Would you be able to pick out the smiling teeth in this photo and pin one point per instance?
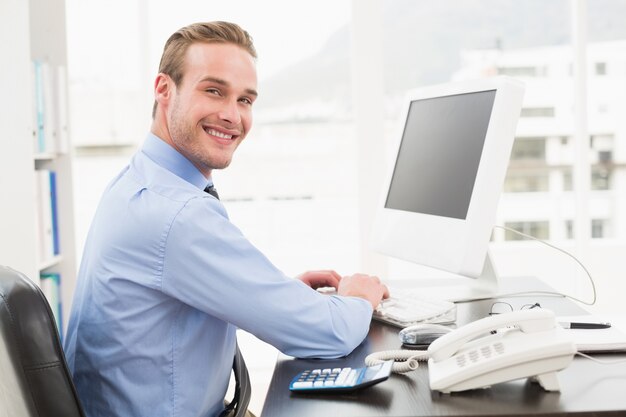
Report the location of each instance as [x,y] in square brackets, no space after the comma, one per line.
[219,134]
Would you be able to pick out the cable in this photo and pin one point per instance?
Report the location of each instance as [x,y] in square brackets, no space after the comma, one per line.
[601,361]
[408,360]
[553,293]
[404,360]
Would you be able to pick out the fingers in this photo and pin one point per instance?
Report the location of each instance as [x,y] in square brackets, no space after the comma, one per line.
[364,286]
[329,278]
[323,278]
[386,293]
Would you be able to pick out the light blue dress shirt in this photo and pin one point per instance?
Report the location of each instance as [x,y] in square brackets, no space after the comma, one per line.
[165,281]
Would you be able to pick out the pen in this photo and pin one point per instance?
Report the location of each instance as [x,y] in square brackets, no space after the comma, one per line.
[578,325]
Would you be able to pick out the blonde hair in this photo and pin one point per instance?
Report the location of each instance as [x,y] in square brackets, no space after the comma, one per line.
[173,58]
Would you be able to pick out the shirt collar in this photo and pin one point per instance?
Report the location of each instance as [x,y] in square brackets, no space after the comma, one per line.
[172,160]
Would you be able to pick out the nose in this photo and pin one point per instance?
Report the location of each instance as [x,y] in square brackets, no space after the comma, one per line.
[230,112]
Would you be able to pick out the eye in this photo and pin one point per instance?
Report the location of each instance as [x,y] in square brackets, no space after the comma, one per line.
[214,91]
[246,100]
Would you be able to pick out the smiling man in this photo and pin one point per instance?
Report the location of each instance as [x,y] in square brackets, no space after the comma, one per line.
[166,278]
[207,114]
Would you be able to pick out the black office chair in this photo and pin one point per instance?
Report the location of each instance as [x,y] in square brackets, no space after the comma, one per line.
[34,378]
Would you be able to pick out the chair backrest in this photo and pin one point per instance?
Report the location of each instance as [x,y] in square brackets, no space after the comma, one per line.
[34,378]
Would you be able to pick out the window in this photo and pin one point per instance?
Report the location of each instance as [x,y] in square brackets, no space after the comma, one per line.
[536,229]
[537,112]
[601,177]
[569,229]
[526,181]
[602,142]
[568,180]
[519,71]
[529,149]
[599,228]
[605,157]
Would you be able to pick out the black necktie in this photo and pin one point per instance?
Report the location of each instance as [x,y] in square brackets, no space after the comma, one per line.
[211,190]
[241,398]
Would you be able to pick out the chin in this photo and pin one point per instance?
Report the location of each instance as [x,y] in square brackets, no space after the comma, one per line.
[219,164]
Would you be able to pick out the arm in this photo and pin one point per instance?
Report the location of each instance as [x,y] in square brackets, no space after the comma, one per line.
[211,266]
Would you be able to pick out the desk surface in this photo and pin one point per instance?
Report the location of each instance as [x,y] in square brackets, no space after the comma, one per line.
[587,388]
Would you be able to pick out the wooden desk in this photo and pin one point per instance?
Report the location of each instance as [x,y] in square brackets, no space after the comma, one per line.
[587,388]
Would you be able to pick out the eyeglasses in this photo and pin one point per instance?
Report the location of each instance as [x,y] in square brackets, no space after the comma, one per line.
[500,307]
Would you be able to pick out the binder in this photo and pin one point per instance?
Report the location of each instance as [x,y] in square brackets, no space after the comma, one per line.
[50,283]
[45,217]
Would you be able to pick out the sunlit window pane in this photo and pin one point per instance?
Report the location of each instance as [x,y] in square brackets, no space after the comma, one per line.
[536,229]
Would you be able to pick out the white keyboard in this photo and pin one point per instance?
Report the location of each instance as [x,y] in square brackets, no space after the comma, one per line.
[408,307]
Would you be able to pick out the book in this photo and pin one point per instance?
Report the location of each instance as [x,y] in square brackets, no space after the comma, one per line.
[49,108]
[35,105]
[39,106]
[49,82]
[611,339]
[50,283]
[44,214]
[62,123]
[54,212]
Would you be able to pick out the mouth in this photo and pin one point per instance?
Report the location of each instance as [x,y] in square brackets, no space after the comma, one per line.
[220,136]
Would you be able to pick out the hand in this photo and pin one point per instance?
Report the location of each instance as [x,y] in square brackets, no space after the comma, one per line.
[319,279]
[363,286]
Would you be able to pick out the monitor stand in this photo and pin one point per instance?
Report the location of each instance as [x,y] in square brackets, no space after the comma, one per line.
[464,289]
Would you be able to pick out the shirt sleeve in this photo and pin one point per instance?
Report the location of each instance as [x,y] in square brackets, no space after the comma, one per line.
[210,265]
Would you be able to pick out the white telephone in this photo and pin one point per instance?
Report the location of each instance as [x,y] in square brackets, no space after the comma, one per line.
[527,343]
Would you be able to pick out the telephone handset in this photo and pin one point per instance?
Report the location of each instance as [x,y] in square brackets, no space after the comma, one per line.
[526,343]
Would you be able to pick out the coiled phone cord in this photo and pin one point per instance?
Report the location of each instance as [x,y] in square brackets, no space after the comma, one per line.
[404,360]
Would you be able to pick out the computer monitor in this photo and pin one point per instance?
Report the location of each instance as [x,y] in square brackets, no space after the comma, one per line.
[441,194]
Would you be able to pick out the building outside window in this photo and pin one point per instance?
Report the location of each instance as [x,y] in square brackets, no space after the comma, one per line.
[536,229]
[529,149]
[569,229]
[526,181]
[537,112]
[521,71]
[601,177]
[599,228]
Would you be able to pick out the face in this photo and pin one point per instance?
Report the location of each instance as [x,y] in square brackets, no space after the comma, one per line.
[210,112]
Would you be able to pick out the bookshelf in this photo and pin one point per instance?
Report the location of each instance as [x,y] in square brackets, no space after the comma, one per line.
[35,32]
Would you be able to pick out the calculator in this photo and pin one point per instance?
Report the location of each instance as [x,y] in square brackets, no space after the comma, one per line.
[340,379]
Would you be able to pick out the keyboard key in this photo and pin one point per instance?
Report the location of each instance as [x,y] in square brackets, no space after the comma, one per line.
[408,307]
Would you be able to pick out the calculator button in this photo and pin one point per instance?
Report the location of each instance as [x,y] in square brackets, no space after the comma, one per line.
[343,375]
[352,376]
[318,383]
[302,384]
[326,371]
[315,371]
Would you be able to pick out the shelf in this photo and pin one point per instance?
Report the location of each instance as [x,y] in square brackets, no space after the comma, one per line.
[37,28]
[50,262]
[45,156]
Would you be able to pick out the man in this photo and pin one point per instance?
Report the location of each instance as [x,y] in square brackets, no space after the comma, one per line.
[166,278]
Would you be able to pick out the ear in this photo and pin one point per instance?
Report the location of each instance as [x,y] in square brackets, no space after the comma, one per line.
[163,89]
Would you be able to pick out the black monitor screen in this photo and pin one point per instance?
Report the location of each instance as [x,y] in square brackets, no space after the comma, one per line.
[439,154]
